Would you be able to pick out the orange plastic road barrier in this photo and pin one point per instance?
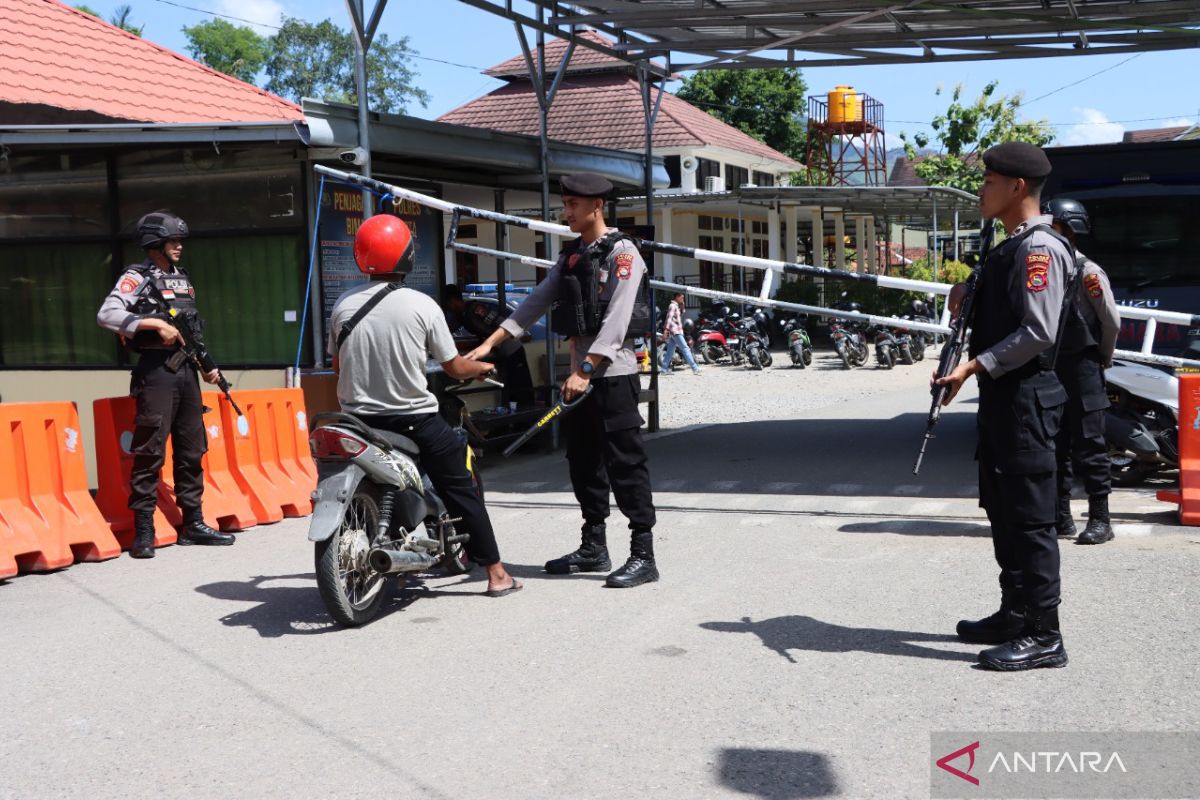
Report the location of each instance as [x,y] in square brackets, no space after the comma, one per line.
[1188,496]
[226,506]
[114,417]
[48,519]
[268,452]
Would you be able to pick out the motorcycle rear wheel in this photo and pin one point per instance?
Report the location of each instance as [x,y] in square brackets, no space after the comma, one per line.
[841,351]
[754,358]
[352,592]
[906,355]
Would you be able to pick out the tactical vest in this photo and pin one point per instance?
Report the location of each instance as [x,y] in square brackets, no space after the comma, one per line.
[580,307]
[995,315]
[159,294]
[1078,333]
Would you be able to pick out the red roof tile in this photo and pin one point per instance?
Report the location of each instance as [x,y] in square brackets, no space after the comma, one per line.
[54,55]
[1154,134]
[606,111]
[583,59]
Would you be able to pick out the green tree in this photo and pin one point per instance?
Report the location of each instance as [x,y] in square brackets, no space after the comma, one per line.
[317,60]
[767,104]
[120,18]
[235,50]
[965,131]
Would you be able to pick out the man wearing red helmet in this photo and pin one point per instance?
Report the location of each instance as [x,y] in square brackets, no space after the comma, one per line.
[598,293]
[379,357]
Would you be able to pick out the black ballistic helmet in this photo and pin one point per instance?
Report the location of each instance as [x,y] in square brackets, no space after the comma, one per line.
[155,228]
[1068,213]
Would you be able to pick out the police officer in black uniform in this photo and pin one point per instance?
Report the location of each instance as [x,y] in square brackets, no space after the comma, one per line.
[164,382]
[598,294]
[1089,338]
[1013,335]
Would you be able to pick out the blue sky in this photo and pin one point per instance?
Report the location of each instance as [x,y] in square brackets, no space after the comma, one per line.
[1151,90]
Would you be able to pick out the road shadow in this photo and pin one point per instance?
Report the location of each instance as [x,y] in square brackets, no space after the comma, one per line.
[776,774]
[919,527]
[823,457]
[281,610]
[796,632]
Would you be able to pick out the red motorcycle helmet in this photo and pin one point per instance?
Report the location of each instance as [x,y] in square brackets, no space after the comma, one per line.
[383,245]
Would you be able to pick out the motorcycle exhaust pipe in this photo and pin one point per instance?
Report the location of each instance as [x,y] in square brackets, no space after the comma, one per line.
[389,562]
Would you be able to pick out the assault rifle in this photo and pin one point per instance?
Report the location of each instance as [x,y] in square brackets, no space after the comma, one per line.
[191,331]
[956,343]
[561,407]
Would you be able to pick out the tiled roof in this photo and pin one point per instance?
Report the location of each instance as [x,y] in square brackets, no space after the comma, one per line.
[904,172]
[1154,134]
[606,111]
[583,59]
[54,55]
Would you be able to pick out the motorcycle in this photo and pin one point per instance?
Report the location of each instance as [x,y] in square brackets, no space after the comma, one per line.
[762,325]
[711,344]
[886,347]
[850,345]
[1141,425]
[799,347]
[376,515]
[755,348]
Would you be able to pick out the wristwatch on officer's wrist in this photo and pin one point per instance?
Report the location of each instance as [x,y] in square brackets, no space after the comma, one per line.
[587,368]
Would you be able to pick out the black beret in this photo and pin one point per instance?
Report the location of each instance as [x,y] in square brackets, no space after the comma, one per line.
[585,184]
[1017,160]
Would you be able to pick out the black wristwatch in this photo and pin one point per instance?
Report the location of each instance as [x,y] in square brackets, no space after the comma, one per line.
[587,368]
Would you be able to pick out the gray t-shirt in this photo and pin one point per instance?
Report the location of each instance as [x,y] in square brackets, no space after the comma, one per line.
[382,361]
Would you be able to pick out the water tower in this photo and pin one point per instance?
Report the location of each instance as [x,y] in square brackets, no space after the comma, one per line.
[845,139]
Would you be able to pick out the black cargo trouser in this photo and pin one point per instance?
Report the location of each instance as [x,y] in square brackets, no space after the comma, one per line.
[1081,442]
[605,451]
[168,403]
[444,460]
[1018,423]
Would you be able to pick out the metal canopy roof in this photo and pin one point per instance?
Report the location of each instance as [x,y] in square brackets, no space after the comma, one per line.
[733,34]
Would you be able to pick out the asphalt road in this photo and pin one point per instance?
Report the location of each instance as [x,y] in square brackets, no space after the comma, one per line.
[799,644]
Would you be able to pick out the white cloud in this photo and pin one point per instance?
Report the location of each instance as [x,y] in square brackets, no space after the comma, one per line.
[1097,128]
[1178,122]
[259,14]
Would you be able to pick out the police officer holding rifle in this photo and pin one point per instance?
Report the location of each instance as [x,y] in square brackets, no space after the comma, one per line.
[1014,332]
[599,298]
[140,309]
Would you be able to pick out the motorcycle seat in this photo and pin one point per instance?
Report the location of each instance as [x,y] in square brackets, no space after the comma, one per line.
[397,442]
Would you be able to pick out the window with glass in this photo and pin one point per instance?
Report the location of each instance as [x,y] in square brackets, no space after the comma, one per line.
[763,179]
[735,177]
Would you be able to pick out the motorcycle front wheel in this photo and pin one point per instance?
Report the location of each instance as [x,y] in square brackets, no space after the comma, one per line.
[841,351]
[754,358]
[352,591]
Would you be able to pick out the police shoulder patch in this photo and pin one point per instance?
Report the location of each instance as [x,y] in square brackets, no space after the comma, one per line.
[1037,269]
[1094,288]
[624,262]
[129,283]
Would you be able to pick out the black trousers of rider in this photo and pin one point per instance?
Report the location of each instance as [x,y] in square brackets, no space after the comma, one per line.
[1018,422]
[1081,442]
[605,452]
[444,460]
[168,403]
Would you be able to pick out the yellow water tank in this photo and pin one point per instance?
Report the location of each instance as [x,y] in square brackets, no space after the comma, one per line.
[845,105]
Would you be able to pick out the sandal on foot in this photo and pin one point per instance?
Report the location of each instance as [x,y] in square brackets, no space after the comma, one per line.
[516,587]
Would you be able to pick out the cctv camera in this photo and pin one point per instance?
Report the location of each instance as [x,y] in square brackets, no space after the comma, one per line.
[356,156]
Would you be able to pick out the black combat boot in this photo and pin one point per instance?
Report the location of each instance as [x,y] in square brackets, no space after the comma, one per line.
[1099,528]
[1039,645]
[1065,525]
[194,531]
[996,628]
[640,567]
[143,535]
[592,555]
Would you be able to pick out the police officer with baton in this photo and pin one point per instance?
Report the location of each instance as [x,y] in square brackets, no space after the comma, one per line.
[163,383]
[599,298]
[1014,334]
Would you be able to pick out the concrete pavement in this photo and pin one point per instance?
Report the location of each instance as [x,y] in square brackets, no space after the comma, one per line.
[799,645]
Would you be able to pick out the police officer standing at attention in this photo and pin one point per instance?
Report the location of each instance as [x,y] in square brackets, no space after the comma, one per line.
[1013,336]
[1089,338]
[597,290]
[163,382]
